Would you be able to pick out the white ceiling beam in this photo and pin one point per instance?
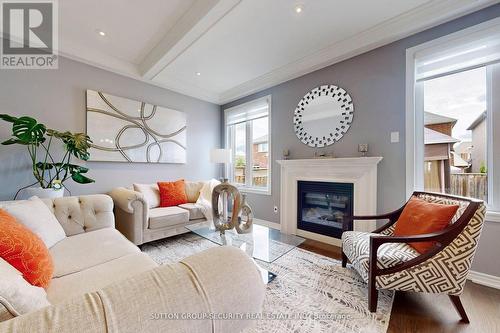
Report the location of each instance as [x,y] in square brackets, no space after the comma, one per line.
[190,27]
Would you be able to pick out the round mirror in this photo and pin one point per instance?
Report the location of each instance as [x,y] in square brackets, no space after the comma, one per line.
[323,116]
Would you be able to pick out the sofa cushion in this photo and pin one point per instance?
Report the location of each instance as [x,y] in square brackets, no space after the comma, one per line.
[35,215]
[151,193]
[193,190]
[172,193]
[25,251]
[16,294]
[195,211]
[356,246]
[167,217]
[98,276]
[422,217]
[82,251]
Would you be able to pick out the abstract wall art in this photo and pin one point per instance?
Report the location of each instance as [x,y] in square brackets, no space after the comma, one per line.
[125,130]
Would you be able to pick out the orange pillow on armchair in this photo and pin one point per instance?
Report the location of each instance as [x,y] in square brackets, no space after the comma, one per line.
[422,217]
[172,193]
[24,250]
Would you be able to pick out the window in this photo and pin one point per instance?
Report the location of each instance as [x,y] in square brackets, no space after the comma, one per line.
[453,105]
[455,132]
[248,136]
[262,147]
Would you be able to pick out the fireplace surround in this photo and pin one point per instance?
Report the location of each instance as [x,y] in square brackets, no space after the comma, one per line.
[361,172]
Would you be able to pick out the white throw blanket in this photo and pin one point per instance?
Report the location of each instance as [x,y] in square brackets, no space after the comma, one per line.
[205,198]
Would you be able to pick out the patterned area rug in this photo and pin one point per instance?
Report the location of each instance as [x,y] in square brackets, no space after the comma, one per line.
[312,293]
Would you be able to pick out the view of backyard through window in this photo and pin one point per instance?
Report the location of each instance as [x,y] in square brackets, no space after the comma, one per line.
[258,154]
[455,134]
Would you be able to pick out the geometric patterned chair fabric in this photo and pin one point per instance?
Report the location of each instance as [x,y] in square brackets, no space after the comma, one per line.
[385,261]
[356,246]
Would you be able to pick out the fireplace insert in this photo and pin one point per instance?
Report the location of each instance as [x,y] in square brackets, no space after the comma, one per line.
[323,206]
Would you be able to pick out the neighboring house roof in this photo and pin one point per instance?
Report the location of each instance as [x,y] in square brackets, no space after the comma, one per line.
[477,121]
[261,139]
[463,147]
[434,137]
[458,161]
[432,118]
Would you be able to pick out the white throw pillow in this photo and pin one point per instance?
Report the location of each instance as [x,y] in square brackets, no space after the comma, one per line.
[193,190]
[151,194]
[37,217]
[16,294]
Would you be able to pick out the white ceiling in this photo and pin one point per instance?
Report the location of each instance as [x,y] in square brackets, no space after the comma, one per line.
[132,28]
[237,46]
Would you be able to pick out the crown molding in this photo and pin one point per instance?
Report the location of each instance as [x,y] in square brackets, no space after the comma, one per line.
[424,17]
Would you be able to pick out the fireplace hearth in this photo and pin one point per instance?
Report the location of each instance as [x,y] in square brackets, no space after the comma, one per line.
[323,206]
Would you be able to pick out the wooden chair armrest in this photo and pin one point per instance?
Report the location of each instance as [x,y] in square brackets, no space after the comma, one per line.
[435,236]
[377,241]
[347,224]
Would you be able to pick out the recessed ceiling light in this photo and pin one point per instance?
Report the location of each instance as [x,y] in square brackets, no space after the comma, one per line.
[298,9]
[198,74]
[101,33]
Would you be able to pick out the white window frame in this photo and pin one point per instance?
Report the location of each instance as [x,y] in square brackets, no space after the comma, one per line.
[262,145]
[415,120]
[248,172]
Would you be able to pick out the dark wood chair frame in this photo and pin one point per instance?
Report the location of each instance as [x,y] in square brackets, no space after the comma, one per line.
[442,239]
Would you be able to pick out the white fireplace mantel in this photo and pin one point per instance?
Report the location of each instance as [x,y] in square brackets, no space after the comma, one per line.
[360,171]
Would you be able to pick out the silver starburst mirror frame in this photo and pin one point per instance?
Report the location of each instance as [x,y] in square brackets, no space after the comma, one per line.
[323,116]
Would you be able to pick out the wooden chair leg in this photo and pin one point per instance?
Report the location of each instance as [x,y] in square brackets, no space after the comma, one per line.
[459,307]
[372,296]
[344,259]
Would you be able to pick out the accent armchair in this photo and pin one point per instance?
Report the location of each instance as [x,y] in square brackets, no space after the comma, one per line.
[385,261]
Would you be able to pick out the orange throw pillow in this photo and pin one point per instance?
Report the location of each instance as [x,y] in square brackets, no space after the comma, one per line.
[172,193]
[422,217]
[24,250]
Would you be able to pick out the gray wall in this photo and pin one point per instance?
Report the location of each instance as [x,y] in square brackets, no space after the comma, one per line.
[57,98]
[376,82]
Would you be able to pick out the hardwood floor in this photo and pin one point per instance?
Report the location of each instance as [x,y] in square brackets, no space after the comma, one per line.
[422,313]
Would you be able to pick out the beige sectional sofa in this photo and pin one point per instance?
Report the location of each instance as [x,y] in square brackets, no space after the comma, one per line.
[104,283]
[141,220]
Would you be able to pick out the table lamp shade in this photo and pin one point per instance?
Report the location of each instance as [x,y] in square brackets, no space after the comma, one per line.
[221,156]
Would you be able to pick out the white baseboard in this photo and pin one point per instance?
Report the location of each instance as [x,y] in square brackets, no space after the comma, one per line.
[269,224]
[485,279]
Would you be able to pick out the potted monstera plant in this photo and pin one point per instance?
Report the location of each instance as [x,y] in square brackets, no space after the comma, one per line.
[51,171]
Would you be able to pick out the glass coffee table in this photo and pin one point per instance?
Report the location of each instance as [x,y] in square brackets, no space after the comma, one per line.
[263,243]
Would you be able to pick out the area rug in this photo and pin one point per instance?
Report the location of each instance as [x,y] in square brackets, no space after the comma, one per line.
[312,293]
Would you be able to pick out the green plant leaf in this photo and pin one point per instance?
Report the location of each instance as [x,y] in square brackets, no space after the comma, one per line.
[44,166]
[81,179]
[77,144]
[13,141]
[82,169]
[8,118]
[28,130]
[72,168]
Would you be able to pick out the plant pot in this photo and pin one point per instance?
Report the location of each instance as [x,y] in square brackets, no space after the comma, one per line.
[42,193]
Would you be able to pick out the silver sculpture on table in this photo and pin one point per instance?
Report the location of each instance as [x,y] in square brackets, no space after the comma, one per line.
[241,217]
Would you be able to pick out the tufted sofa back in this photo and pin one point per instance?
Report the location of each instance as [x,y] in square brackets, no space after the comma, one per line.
[84,213]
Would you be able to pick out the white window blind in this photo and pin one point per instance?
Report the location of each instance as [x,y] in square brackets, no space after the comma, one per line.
[480,48]
[249,111]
